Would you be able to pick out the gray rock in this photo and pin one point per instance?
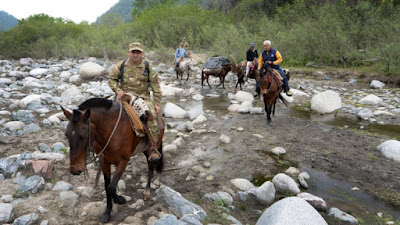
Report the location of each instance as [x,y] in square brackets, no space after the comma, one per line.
[284,184]
[302,181]
[326,102]
[90,71]
[2,177]
[7,198]
[8,168]
[44,222]
[353,82]
[265,194]
[242,96]
[28,219]
[26,61]
[168,220]
[293,211]
[195,111]
[278,151]
[242,184]
[220,196]
[370,100]
[33,184]
[173,111]
[224,139]
[62,186]
[19,178]
[58,146]
[14,125]
[43,147]
[390,149]
[28,99]
[31,128]
[337,213]
[69,196]
[376,84]
[179,205]
[317,202]
[365,113]
[6,213]
[190,220]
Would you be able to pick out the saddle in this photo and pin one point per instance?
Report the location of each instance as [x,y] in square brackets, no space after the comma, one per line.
[138,111]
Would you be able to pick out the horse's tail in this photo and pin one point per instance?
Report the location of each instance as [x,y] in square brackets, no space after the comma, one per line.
[160,164]
[283,100]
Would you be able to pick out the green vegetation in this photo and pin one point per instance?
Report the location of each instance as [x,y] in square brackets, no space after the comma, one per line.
[121,10]
[329,33]
[391,197]
[7,21]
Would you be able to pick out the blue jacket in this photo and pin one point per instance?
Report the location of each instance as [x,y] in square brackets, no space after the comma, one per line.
[180,52]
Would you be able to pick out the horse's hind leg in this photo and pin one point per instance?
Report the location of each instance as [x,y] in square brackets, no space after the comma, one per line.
[105,217]
[151,166]
[187,78]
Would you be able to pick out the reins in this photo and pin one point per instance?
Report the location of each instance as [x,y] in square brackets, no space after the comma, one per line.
[104,148]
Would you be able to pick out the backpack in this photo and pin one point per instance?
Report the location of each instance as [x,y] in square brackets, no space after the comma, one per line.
[146,72]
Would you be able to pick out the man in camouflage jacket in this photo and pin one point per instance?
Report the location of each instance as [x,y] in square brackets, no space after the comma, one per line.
[138,84]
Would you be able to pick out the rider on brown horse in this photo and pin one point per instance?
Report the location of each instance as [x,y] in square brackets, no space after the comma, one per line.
[139,82]
[272,57]
[251,57]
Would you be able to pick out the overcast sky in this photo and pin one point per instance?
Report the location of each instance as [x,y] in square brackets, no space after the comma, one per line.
[75,10]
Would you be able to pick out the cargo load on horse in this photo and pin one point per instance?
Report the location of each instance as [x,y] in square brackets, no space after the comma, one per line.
[216,66]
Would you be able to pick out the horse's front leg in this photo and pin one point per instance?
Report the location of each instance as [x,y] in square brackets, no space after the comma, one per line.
[268,111]
[120,168]
[105,217]
[187,78]
[207,81]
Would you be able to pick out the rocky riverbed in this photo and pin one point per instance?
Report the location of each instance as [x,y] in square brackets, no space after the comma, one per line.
[223,164]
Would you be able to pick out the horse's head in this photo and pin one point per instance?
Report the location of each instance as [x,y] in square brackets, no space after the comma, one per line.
[264,78]
[77,133]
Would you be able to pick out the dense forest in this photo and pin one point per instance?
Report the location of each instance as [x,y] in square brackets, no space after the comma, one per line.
[7,21]
[121,11]
[362,34]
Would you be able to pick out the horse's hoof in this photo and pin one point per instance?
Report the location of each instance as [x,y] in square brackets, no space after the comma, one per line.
[146,195]
[105,218]
[120,200]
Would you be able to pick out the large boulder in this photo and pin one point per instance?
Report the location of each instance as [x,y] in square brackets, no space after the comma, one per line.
[293,211]
[28,99]
[91,71]
[32,184]
[326,102]
[242,184]
[390,149]
[14,125]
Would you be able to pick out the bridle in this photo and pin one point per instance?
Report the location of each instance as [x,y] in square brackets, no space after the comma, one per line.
[89,146]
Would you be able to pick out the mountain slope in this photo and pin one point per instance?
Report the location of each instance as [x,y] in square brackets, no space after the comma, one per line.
[7,21]
[122,8]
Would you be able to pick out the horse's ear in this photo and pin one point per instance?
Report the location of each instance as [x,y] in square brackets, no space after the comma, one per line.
[67,113]
[87,114]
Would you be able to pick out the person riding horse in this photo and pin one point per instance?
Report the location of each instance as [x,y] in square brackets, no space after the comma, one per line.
[272,57]
[180,54]
[251,57]
[138,83]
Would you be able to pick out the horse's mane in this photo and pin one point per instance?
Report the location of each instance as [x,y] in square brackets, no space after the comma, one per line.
[96,102]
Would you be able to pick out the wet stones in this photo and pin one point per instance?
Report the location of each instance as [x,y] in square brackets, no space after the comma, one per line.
[337,213]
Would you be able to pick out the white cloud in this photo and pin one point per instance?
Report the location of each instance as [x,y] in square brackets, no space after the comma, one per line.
[75,10]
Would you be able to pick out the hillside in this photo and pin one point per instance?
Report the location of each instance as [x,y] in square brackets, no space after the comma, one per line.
[123,8]
[7,21]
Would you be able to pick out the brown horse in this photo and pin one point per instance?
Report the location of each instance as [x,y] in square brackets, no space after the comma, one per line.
[104,126]
[241,72]
[270,87]
[221,73]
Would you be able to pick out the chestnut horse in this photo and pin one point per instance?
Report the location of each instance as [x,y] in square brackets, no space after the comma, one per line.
[103,125]
[271,88]
[241,72]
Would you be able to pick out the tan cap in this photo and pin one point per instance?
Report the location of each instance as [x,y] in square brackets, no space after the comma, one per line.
[136,46]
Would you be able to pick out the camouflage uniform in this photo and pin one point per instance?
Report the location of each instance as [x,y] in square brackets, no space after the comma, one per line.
[137,84]
[185,45]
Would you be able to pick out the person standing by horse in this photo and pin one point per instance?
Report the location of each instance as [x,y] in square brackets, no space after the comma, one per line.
[272,57]
[251,57]
[179,54]
[139,79]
